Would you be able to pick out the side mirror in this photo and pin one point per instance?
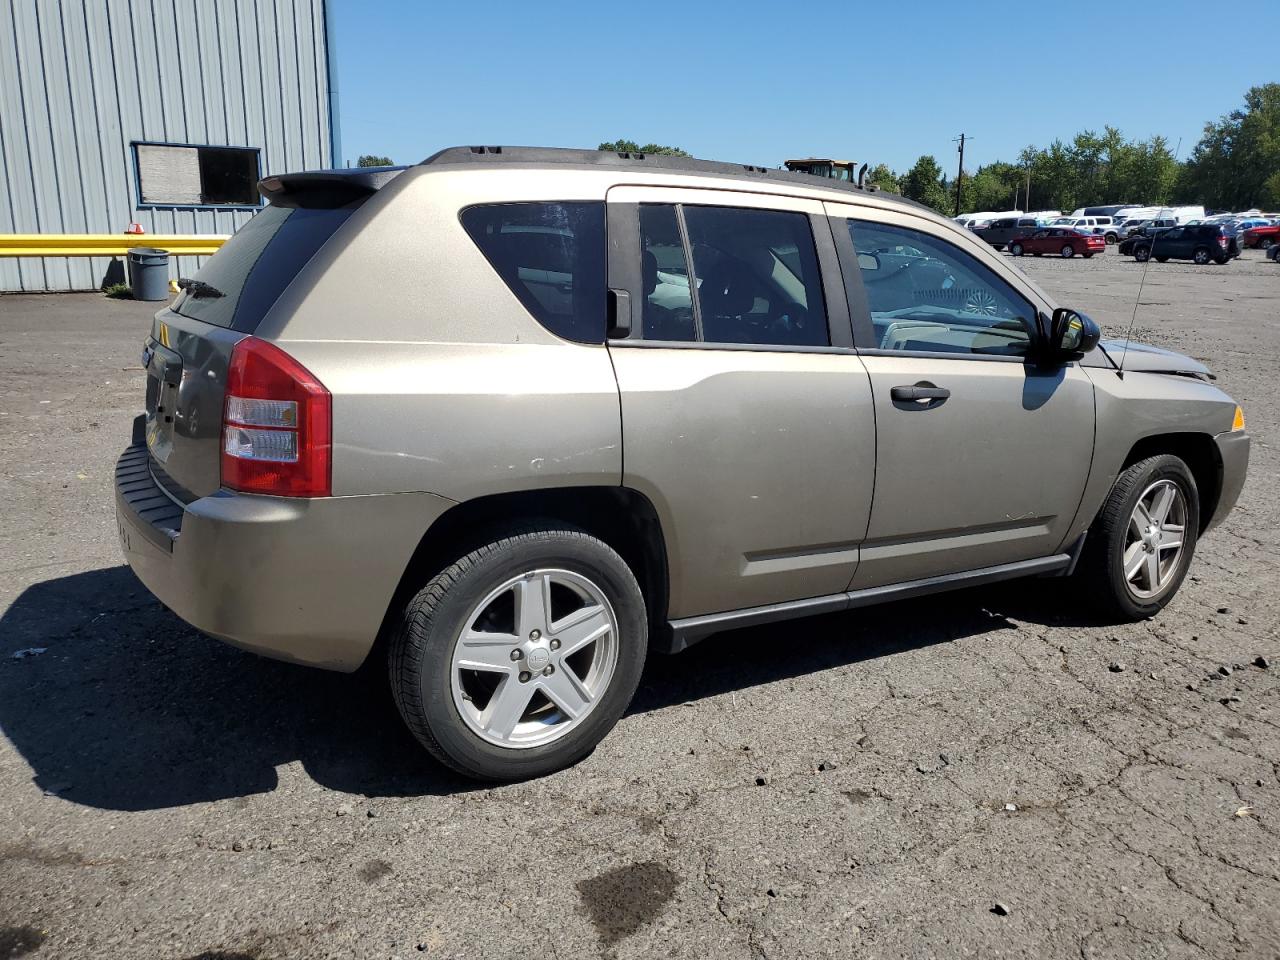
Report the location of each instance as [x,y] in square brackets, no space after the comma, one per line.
[1071,334]
[868,261]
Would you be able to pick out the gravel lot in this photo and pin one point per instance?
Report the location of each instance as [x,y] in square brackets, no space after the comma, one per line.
[870,784]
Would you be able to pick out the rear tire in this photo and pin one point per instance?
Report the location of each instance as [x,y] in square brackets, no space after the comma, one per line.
[1068,251]
[1121,532]
[1112,238]
[1201,255]
[433,685]
[1016,249]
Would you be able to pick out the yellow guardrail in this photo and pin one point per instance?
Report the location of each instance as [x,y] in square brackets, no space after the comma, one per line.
[104,244]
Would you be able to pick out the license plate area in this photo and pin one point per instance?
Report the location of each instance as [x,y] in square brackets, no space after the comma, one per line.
[164,375]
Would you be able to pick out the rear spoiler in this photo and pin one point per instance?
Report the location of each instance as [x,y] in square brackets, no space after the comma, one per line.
[325,188]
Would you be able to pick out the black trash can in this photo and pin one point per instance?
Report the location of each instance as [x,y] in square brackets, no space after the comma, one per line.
[149,273]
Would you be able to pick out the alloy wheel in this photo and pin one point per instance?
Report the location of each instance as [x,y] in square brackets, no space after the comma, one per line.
[534,658]
[1154,540]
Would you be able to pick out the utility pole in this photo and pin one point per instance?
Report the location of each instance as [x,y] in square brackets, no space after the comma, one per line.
[960,172]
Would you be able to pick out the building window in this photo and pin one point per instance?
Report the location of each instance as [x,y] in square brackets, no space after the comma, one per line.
[172,175]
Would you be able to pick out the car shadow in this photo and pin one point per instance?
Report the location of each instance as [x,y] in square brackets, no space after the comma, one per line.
[128,708]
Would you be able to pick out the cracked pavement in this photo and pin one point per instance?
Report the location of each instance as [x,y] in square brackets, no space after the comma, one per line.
[870,784]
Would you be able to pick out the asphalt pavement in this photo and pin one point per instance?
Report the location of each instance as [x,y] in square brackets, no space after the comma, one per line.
[993,773]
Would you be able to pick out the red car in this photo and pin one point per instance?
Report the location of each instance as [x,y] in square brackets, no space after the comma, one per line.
[1264,237]
[1060,241]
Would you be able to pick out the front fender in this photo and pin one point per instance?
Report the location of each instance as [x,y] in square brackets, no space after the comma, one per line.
[1137,406]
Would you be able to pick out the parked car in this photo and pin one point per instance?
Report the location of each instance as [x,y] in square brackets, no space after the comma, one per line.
[1059,241]
[1106,210]
[1273,252]
[1148,226]
[1264,237]
[478,421]
[1102,226]
[1205,243]
[1000,232]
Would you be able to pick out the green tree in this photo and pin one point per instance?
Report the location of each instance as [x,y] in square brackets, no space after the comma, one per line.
[630,146]
[923,182]
[369,160]
[1235,163]
[884,178]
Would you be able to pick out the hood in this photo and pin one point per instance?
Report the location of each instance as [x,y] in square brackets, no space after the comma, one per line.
[1145,359]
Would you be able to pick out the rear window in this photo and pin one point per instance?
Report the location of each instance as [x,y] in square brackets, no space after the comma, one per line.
[552,256]
[244,279]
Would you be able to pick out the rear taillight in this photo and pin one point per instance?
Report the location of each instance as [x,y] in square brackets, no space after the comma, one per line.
[1222,242]
[276,424]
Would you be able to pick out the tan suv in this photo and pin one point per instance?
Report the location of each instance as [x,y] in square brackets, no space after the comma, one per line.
[512,418]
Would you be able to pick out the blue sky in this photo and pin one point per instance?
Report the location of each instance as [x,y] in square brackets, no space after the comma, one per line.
[759,82]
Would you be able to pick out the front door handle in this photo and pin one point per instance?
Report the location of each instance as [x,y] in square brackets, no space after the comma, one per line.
[923,391]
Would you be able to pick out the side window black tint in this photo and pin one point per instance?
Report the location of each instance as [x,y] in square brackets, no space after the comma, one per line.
[552,256]
[927,295]
[757,276]
[667,308]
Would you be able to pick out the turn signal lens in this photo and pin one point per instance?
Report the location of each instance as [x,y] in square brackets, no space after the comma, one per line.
[1238,422]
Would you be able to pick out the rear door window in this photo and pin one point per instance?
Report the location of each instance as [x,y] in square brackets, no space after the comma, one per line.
[757,277]
[667,307]
[244,279]
[552,257]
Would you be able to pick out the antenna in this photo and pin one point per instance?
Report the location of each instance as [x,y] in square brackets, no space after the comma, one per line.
[1141,283]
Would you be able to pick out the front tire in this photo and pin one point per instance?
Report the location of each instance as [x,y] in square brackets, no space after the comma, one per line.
[1142,541]
[518,658]
[1201,255]
[1142,254]
[1068,251]
[1016,249]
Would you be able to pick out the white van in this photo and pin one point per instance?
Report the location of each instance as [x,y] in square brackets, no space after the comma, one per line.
[1101,226]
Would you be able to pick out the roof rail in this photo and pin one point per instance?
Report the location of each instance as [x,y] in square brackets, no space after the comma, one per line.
[539,156]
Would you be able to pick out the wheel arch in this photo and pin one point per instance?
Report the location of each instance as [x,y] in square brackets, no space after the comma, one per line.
[1199,453]
[622,517]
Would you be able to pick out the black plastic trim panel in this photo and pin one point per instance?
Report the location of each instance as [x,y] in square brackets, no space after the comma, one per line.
[156,516]
[688,631]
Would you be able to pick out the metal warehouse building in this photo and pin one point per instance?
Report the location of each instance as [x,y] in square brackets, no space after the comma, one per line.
[163,113]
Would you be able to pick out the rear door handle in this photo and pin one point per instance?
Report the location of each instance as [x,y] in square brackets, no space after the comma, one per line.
[919,392]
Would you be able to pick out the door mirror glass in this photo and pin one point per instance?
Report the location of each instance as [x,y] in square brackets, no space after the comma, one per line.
[1072,334]
[868,261]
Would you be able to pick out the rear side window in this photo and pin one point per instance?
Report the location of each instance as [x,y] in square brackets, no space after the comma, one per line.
[552,256]
[244,279]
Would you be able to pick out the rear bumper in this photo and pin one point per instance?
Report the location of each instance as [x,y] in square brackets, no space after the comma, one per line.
[1233,450]
[302,580]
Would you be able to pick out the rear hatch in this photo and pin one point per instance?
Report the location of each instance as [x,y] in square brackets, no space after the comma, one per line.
[187,354]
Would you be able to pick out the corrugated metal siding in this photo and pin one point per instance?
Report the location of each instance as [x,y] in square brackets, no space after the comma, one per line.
[81,80]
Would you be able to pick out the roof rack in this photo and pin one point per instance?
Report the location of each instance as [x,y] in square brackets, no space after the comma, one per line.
[539,156]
